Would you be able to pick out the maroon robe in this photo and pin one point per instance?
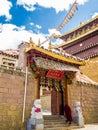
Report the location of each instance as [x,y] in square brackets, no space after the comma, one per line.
[68,113]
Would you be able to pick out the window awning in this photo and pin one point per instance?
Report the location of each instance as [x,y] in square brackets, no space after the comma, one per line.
[53,65]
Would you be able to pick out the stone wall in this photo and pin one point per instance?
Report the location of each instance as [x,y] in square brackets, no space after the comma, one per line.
[11,99]
[86,94]
[12,94]
[91,69]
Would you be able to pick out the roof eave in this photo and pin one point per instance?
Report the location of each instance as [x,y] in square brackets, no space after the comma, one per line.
[55,55]
[82,25]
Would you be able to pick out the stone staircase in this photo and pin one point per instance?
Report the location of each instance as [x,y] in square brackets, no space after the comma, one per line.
[56,122]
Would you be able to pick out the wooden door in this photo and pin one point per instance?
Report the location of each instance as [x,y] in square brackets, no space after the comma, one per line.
[56,102]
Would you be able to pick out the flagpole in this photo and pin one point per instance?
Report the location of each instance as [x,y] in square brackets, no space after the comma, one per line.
[25,90]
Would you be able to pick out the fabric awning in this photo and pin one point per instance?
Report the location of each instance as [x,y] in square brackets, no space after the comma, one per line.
[53,65]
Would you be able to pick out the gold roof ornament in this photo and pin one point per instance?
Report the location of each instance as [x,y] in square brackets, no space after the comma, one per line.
[56,36]
[31,42]
[50,46]
[39,44]
[81,23]
[61,50]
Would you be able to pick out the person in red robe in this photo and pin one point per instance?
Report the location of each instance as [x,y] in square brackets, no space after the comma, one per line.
[68,113]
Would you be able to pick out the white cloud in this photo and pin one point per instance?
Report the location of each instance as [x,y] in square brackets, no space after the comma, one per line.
[53,31]
[35,25]
[58,5]
[5,7]
[57,42]
[81,2]
[11,36]
[95,14]
[27,4]
[31,24]
[38,26]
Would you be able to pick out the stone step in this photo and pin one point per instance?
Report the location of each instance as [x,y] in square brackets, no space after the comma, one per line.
[53,128]
[65,128]
[54,122]
[53,116]
[54,125]
[55,119]
[59,125]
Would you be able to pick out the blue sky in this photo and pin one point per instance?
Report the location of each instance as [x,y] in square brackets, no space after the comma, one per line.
[22,19]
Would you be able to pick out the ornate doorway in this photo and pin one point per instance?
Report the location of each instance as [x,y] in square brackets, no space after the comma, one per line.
[56,90]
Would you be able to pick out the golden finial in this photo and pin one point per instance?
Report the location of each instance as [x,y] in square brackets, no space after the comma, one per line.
[56,36]
[50,46]
[61,50]
[39,44]
[31,42]
[81,23]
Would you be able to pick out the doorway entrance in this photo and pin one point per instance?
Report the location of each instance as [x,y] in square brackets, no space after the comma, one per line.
[52,94]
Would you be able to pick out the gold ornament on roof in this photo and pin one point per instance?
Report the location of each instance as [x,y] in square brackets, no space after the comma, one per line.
[50,46]
[61,50]
[39,44]
[56,36]
[31,42]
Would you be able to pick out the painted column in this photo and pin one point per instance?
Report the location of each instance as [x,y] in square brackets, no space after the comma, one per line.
[66,91]
[37,88]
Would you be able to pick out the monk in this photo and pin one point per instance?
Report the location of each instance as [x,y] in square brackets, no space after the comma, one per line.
[68,113]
